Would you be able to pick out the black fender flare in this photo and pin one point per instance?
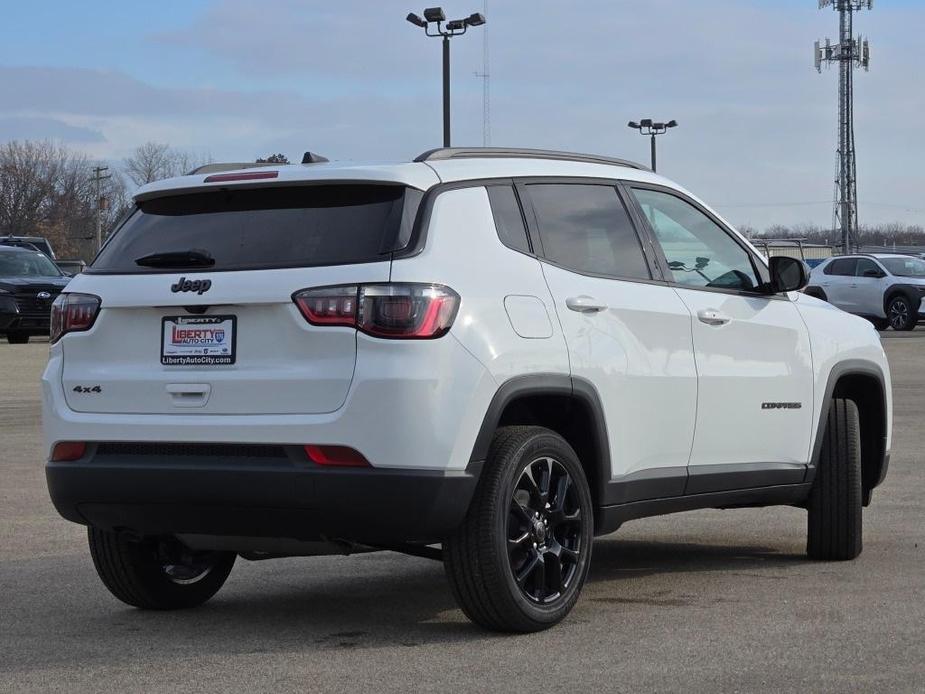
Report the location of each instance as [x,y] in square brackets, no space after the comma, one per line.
[853,367]
[910,291]
[816,292]
[561,385]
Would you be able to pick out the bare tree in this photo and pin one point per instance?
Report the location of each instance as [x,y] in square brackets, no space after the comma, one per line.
[153,161]
[273,159]
[29,177]
[149,162]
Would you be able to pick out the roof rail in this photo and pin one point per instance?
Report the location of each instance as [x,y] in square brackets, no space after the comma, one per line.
[217,167]
[443,153]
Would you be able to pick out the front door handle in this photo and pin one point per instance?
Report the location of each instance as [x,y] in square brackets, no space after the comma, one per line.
[585,304]
[711,316]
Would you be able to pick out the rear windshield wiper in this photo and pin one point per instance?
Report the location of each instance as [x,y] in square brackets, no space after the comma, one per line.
[177,259]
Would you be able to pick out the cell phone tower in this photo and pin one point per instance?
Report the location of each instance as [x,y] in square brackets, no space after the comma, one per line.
[849,53]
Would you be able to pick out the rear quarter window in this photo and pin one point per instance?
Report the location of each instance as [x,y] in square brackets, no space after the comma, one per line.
[260,228]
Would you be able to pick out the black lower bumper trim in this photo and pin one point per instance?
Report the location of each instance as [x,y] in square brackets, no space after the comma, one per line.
[269,497]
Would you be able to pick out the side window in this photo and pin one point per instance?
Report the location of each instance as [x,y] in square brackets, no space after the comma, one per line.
[700,253]
[868,268]
[586,228]
[843,266]
[508,218]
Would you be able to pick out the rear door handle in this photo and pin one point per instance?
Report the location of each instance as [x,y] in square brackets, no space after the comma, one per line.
[585,304]
[711,316]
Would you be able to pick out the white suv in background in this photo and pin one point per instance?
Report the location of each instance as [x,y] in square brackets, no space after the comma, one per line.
[887,289]
[484,356]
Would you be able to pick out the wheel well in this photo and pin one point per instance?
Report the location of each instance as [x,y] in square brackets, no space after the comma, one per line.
[574,420]
[867,393]
[913,298]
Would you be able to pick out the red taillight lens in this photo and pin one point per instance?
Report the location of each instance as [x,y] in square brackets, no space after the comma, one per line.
[400,311]
[65,451]
[328,305]
[72,313]
[336,456]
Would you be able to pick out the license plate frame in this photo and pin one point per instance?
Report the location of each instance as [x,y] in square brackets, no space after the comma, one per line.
[205,349]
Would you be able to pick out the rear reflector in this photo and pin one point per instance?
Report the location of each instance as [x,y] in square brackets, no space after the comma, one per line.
[339,456]
[249,176]
[65,451]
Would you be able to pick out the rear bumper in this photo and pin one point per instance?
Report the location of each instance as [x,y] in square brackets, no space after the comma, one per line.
[280,496]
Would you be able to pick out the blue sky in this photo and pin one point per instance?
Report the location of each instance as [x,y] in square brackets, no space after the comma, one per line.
[235,79]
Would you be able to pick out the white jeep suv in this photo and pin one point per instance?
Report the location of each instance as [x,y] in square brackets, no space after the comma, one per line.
[887,289]
[484,356]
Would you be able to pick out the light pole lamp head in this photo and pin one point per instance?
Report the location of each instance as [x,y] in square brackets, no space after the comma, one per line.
[416,20]
[434,14]
[658,126]
[476,19]
[456,25]
[645,123]
[671,124]
[633,124]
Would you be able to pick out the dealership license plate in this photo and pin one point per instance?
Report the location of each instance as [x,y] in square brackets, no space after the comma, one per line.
[198,340]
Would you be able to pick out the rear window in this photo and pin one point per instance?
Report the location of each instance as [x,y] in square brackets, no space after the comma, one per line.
[842,266]
[267,227]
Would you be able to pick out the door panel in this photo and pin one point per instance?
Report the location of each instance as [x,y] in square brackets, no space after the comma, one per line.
[755,380]
[754,365]
[637,351]
[868,291]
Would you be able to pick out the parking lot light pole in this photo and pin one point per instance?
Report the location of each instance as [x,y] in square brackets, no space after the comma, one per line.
[434,24]
[647,127]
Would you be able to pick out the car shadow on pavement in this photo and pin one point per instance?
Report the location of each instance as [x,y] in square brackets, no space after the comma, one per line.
[367,601]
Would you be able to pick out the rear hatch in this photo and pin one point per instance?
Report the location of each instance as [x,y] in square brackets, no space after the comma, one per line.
[196,300]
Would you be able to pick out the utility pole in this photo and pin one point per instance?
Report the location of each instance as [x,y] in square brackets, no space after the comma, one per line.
[485,75]
[848,53]
[101,202]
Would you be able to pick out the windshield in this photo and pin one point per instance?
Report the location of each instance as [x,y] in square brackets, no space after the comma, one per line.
[33,264]
[904,267]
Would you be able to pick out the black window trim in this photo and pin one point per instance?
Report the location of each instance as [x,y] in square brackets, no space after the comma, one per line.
[509,183]
[758,264]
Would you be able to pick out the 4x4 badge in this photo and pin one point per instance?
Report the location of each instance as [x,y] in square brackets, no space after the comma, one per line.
[185,285]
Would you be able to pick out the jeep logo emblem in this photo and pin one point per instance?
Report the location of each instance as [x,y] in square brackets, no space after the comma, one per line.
[185,285]
[44,296]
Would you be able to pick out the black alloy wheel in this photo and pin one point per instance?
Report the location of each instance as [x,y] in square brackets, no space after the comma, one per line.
[900,314]
[544,537]
[519,559]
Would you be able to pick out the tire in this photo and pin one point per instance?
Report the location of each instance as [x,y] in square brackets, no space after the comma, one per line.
[900,314]
[834,526]
[17,338]
[157,575]
[504,532]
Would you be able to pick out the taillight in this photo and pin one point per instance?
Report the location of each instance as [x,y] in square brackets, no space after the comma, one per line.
[66,451]
[72,313]
[399,311]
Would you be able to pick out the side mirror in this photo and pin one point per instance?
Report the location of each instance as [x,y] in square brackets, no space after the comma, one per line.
[788,274]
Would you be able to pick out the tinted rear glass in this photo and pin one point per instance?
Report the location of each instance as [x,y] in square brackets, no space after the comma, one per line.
[267,227]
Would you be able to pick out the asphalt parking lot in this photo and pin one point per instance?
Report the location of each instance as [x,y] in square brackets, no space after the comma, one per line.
[701,601]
